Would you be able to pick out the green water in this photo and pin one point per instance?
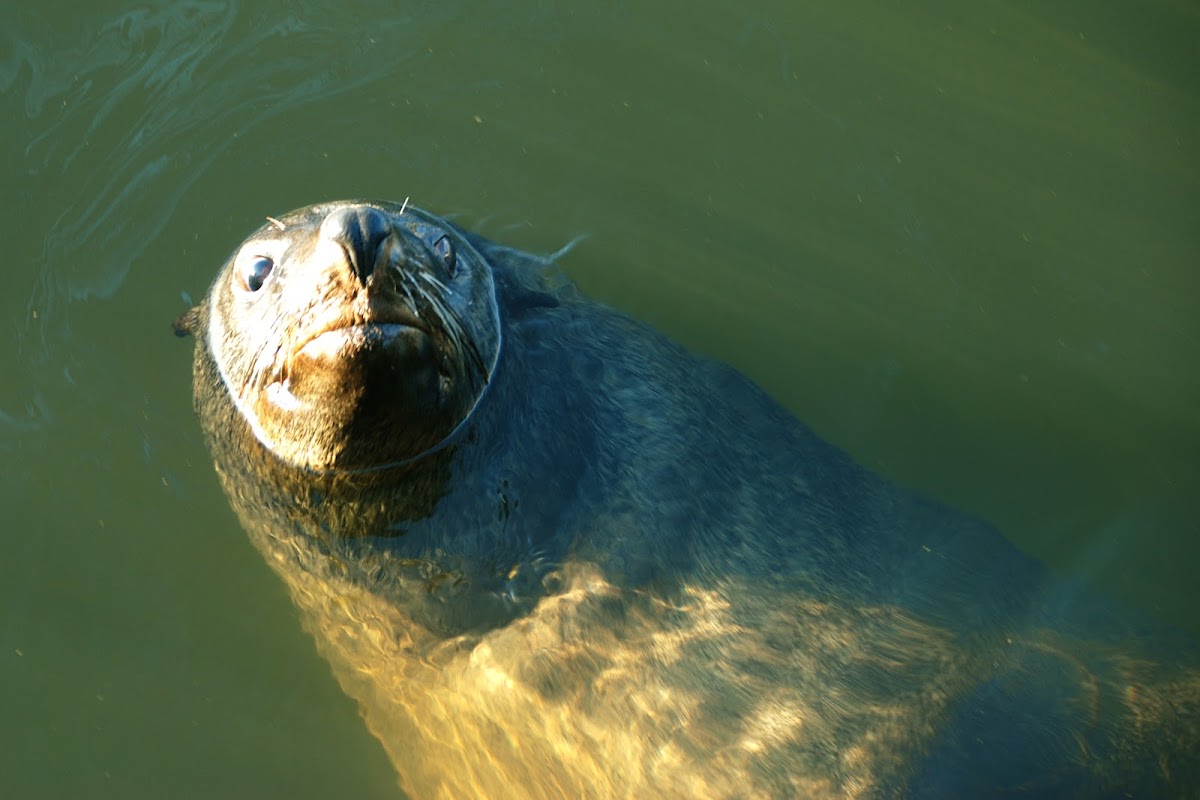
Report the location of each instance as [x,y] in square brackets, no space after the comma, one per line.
[961,241]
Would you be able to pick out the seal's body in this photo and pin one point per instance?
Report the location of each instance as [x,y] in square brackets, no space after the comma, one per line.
[554,555]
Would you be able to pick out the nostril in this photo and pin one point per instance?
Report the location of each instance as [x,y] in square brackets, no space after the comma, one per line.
[360,230]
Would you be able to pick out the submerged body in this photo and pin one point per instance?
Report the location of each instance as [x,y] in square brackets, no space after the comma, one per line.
[554,555]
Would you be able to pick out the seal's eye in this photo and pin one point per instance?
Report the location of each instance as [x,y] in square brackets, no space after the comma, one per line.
[254,273]
[445,251]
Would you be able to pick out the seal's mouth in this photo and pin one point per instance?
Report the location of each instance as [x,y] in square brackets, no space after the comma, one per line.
[342,341]
[351,361]
[349,331]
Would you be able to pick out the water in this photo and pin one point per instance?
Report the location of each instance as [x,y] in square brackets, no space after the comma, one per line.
[960,242]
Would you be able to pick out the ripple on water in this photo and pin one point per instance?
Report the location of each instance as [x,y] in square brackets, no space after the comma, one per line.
[121,114]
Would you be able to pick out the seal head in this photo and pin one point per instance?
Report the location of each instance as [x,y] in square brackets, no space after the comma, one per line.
[353,336]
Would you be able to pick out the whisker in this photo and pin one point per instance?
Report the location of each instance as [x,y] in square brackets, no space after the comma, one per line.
[431,301]
[454,329]
[464,342]
[435,282]
[403,285]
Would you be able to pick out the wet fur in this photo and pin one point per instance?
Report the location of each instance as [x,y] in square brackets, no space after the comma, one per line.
[637,576]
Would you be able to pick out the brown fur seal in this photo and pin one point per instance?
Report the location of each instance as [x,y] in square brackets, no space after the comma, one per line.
[553,555]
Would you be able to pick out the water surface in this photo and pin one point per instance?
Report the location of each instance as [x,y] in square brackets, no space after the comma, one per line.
[959,242]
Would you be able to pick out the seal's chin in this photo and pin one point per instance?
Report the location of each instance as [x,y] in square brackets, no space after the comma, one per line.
[342,367]
[357,397]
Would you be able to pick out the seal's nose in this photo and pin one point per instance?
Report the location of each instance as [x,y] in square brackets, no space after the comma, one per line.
[359,230]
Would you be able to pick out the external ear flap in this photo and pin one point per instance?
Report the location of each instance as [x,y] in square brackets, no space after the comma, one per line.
[187,323]
[518,300]
[524,282]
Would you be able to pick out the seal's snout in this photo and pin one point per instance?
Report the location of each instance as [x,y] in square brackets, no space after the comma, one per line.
[359,230]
